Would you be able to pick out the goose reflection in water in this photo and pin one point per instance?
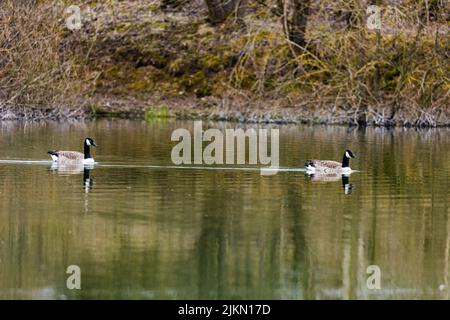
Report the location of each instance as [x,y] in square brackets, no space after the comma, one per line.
[74,169]
[332,177]
[88,181]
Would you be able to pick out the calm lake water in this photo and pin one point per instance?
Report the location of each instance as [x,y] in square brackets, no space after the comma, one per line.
[141,232]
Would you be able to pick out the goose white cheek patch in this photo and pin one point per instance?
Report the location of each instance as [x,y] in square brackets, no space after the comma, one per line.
[88,142]
[347,155]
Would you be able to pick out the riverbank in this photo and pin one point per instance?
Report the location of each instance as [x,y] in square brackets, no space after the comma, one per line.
[137,59]
[224,111]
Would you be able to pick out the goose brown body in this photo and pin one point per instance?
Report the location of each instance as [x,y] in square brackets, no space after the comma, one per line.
[329,166]
[68,156]
[326,165]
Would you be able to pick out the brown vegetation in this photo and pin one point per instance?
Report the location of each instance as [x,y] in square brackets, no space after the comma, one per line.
[36,72]
[293,61]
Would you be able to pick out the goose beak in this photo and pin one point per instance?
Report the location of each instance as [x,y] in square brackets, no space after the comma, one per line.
[94,144]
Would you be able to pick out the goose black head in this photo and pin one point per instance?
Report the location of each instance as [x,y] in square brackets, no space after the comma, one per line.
[349,154]
[309,163]
[89,142]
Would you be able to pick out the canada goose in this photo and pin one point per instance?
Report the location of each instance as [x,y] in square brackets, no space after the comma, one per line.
[328,166]
[71,157]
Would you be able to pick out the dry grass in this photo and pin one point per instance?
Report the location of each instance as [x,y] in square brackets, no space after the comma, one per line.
[397,75]
[346,73]
[35,70]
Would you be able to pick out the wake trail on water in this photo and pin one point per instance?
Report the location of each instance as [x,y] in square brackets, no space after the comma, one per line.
[136,166]
[8,161]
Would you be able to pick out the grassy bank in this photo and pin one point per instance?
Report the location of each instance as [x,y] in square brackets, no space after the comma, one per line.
[134,57]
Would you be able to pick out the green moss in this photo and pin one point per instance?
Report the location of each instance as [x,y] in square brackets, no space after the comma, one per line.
[211,62]
[94,108]
[141,85]
[154,7]
[177,67]
[196,83]
[161,25]
[123,27]
[114,72]
[157,112]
